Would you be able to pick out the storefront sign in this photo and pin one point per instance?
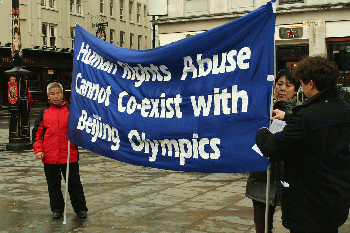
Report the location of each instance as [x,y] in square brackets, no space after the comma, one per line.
[9,60]
[291,32]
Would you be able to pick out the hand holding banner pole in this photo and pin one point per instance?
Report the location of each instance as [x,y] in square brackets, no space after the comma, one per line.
[67,178]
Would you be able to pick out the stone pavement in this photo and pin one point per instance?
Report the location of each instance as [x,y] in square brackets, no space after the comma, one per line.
[125,198]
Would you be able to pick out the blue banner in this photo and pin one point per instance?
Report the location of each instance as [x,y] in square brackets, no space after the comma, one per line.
[193,105]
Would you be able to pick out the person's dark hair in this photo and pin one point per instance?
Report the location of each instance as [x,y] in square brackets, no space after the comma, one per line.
[323,72]
[289,74]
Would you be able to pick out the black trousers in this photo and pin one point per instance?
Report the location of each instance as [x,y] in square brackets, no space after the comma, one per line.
[259,216]
[53,177]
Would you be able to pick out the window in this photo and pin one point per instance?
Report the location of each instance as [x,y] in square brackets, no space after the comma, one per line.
[138,12]
[139,42]
[122,39]
[145,11]
[131,4]
[52,3]
[111,7]
[131,41]
[75,6]
[71,6]
[111,36]
[72,35]
[48,3]
[101,6]
[78,7]
[49,34]
[146,38]
[291,1]
[121,7]
[44,32]
[52,36]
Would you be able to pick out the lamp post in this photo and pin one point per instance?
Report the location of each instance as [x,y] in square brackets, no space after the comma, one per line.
[19,130]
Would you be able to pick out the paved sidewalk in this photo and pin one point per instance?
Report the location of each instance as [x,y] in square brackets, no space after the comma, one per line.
[125,198]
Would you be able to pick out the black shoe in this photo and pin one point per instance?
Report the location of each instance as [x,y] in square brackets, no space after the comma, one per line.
[82,214]
[57,215]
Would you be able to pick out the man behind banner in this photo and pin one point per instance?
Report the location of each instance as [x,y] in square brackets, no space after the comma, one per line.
[51,146]
[315,148]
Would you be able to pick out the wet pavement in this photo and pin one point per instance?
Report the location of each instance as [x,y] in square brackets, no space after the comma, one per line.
[124,198]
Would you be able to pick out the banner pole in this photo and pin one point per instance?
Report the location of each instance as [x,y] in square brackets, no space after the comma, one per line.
[268,172]
[67,177]
[268,177]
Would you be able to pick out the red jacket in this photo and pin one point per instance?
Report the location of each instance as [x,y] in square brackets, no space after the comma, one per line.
[49,135]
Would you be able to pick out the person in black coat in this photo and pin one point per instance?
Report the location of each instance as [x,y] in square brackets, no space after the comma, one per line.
[286,87]
[314,146]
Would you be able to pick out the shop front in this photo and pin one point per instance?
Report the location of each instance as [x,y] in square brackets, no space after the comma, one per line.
[44,67]
[338,50]
[292,45]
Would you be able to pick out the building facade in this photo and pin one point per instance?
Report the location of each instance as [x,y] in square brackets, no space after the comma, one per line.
[47,35]
[303,27]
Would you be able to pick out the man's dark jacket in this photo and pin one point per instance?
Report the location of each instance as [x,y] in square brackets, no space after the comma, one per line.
[314,146]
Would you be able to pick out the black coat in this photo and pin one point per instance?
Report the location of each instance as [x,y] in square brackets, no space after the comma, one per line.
[315,148]
[256,184]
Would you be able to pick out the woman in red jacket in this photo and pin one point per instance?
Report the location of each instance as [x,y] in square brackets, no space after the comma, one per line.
[50,144]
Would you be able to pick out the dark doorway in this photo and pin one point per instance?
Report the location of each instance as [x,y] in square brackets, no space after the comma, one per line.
[288,55]
[339,52]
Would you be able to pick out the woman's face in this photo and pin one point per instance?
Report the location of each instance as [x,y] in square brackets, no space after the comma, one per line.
[284,89]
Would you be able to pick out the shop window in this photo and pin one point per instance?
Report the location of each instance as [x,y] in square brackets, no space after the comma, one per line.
[339,52]
[288,55]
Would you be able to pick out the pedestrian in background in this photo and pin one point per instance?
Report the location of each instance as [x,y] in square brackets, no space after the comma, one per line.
[50,144]
[286,87]
[314,146]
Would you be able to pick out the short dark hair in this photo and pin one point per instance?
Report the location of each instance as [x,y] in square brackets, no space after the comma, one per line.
[323,72]
[289,74]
